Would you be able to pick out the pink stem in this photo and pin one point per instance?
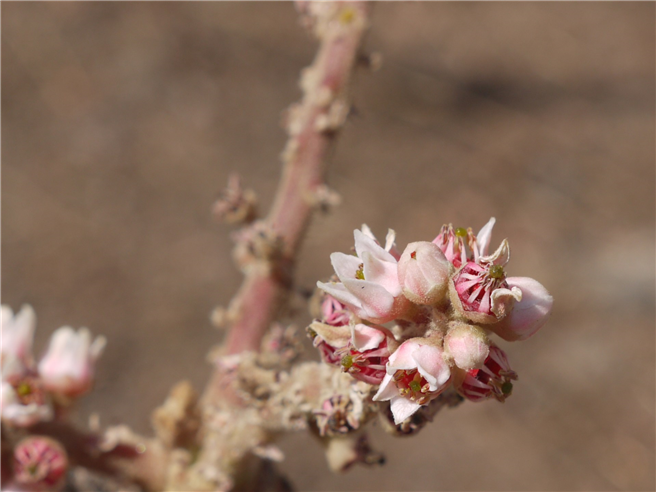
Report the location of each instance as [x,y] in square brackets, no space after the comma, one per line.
[312,129]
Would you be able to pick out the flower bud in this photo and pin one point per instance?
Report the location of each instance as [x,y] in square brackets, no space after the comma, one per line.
[529,314]
[69,364]
[39,464]
[467,345]
[423,273]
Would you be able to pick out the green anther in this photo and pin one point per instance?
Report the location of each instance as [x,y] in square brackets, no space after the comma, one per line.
[506,388]
[32,469]
[24,389]
[359,274]
[312,334]
[461,232]
[496,271]
[415,386]
[347,361]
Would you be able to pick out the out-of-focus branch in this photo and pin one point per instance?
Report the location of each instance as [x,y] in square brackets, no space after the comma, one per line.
[312,126]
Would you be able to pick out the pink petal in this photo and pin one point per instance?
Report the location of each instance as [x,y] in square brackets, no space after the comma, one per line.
[431,365]
[381,272]
[365,337]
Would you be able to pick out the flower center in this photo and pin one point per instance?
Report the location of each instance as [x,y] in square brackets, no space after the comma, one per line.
[412,385]
[359,274]
[28,390]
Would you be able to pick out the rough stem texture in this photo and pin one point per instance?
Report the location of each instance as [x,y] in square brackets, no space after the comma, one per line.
[312,126]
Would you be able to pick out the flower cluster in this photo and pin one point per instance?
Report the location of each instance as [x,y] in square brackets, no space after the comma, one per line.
[31,391]
[418,322]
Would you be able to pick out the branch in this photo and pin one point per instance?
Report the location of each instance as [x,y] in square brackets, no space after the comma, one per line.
[312,127]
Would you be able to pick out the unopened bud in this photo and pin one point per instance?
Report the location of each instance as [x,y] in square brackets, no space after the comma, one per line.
[423,273]
[467,345]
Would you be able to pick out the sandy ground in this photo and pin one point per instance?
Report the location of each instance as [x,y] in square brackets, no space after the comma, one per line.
[122,121]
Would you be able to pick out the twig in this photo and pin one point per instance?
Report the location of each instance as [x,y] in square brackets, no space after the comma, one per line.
[312,126]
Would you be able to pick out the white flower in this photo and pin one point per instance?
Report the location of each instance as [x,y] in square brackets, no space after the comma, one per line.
[416,373]
[369,281]
[24,404]
[68,366]
[17,337]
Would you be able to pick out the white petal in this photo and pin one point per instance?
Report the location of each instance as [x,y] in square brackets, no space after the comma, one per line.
[402,408]
[366,230]
[503,300]
[345,265]
[389,239]
[500,257]
[484,237]
[374,299]
[387,389]
[339,292]
[365,243]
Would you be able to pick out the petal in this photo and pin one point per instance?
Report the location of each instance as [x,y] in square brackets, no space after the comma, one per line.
[341,293]
[345,265]
[484,237]
[431,365]
[365,337]
[402,358]
[500,257]
[376,301]
[402,408]
[335,336]
[365,243]
[389,239]
[503,301]
[529,314]
[381,272]
[387,389]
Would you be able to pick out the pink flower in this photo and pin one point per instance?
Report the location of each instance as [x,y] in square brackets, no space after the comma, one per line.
[481,290]
[424,273]
[68,366]
[416,373]
[39,464]
[529,314]
[467,345]
[334,312]
[492,380]
[453,243]
[17,336]
[24,401]
[360,350]
[369,281]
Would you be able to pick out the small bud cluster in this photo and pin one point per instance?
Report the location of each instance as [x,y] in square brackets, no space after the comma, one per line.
[417,323]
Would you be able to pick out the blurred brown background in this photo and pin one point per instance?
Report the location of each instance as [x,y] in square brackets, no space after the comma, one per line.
[122,121]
